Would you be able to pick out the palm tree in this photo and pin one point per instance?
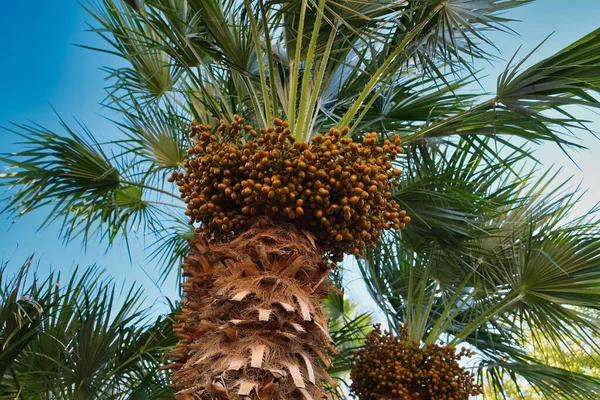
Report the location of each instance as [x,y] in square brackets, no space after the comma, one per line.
[250,327]
[513,263]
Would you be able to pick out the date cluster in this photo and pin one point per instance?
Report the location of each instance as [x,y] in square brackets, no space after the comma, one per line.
[336,188]
[395,367]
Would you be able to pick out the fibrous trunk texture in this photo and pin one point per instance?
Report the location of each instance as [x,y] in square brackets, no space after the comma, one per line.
[252,326]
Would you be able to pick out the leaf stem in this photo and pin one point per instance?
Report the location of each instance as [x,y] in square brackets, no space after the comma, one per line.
[295,67]
[155,189]
[457,117]
[303,107]
[383,68]
[259,58]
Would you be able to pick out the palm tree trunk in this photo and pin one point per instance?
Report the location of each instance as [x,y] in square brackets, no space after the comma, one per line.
[252,325]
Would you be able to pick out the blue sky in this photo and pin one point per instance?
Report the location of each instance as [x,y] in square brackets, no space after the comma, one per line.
[43,69]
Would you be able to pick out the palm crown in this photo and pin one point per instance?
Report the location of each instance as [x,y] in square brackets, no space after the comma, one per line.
[488,250]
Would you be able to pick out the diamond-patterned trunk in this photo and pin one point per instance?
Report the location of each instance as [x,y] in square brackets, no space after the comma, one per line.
[252,325]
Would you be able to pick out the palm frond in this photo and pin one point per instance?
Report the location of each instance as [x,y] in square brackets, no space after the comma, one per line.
[446,191]
[86,190]
[548,382]
[22,310]
[151,72]
[153,135]
[532,104]
[91,343]
[171,247]
[348,329]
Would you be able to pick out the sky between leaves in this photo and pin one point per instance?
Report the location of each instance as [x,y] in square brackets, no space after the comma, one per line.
[44,72]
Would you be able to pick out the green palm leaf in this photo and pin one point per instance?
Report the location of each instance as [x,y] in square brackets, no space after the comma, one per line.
[521,267]
[86,190]
[87,344]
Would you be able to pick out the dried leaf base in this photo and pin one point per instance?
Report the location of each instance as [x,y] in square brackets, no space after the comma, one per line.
[252,326]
